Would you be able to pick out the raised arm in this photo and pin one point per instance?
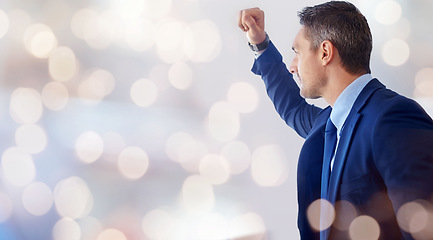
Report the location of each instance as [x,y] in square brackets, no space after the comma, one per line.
[280,85]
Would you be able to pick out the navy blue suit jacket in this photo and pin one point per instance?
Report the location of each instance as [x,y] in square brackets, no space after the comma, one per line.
[384,158]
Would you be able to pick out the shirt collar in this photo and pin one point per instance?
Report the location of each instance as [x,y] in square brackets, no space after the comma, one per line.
[345,101]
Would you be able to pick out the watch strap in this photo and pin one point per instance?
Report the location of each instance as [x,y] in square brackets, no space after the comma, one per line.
[261,46]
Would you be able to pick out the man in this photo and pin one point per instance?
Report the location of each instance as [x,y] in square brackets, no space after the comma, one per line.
[371,151]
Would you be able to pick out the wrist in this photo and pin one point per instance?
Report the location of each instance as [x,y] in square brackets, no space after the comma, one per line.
[261,46]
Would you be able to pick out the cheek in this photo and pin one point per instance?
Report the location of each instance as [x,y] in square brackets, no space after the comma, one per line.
[299,67]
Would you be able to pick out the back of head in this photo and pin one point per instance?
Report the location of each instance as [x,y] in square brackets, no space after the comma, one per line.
[345,27]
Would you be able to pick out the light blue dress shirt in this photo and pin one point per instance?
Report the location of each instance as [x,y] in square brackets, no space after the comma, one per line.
[344,103]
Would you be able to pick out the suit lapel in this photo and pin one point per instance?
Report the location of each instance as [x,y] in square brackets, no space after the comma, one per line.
[347,135]
[341,154]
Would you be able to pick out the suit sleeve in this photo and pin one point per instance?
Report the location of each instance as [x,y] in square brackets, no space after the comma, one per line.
[403,152]
[284,93]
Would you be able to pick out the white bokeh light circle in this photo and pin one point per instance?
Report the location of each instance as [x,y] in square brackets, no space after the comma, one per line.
[144,92]
[55,96]
[269,166]
[223,121]
[243,96]
[31,138]
[202,41]
[197,195]
[395,52]
[18,166]
[180,75]
[37,198]
[133,162]
[388,12]
[62,64]
[159,224]
[73,198]
[89,146]
[215,169]
[66,229]
[26,105]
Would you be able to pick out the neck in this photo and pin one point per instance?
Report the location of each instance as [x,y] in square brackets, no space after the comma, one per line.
[337,83]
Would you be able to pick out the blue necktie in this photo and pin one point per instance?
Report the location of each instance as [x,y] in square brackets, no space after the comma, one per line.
[329,149]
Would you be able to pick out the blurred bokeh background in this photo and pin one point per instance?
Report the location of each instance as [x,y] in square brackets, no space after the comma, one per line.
[140,119]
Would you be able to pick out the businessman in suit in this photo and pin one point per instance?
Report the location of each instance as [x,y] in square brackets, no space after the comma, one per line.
[370,152]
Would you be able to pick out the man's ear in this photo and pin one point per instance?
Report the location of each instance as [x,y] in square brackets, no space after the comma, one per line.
[327,51]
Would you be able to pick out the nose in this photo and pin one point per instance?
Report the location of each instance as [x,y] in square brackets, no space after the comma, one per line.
[294,66]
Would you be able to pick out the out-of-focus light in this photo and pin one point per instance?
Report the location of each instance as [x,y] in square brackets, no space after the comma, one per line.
[111,234]
[214,168]
[31,138]
[98,30]
[247,225]
[364,227]
[419,221]
[62,64]
[89,147]
[144,92]
[183,148]
[37,198]
[223,121]
[412,217]
[269,167]
[388,12]
[104,30]
[128,8]
[4,23]
[192,165]
[197,195]
[316,208]
[140,34]
[213,226]
[66,229]
[133,162]
[90,228]
[42,44]
[6,207]
[170,36]
[96,86]
[26,105]
[243,96]
[346,213]
[238,156]
[39,40]
[73,198]
[158,224]
[424,83]
[395,52]
[82,21]
[157,9]
[55,96]
[18,167]
[19,21]
[202,41]
[180,75]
